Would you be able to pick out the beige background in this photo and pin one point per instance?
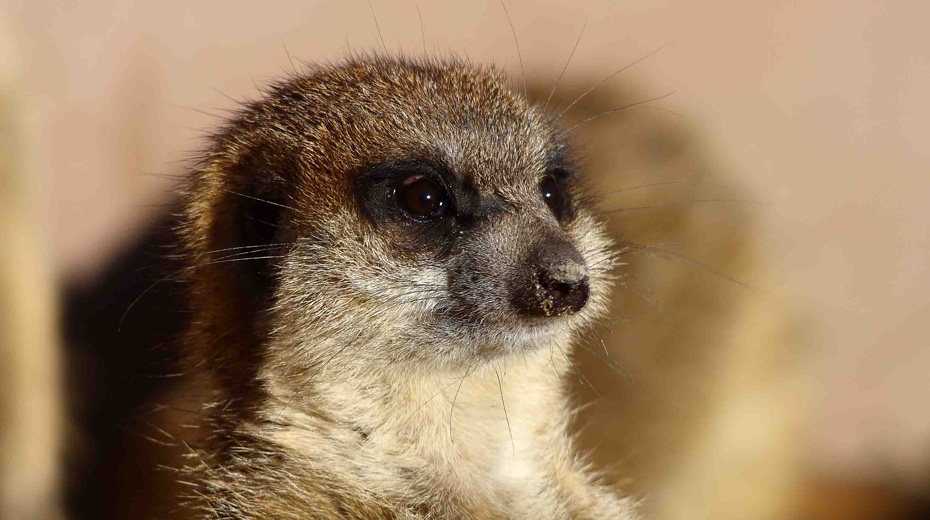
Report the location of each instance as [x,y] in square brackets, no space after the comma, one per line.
[820,108]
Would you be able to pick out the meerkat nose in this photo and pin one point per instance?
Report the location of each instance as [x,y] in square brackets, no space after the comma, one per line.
[557,284]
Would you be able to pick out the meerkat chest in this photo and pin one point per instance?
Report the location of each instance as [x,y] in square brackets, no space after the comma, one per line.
[485,439]
[498,436]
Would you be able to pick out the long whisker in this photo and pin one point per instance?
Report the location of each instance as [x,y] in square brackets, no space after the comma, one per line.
[500,385]
[204,112]
[618,109]
[252,247]
[616,367]
[227,96]
[222,260]
[660,109]
[623,320]
[452,408]
[289,57]
[427,402]
[685,203]
[517,44]
[651,302]
[579,373]
[599,83]
[132,304]
[377,26]
[642,186]
[422,30]
[261,200]
[670,256]
[570,56]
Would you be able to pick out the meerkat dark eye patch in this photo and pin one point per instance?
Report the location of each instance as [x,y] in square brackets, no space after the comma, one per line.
[554,194]
[408,191]
[422,197]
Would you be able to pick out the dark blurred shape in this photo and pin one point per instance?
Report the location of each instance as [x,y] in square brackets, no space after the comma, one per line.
[831,498]
[116,372]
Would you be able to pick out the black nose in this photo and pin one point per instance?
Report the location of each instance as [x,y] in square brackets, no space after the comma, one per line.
[554,281]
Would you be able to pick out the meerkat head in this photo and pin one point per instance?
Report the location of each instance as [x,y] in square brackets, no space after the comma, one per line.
[408,210]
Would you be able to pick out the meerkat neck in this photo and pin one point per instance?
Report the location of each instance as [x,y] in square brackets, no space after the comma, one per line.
[503,403]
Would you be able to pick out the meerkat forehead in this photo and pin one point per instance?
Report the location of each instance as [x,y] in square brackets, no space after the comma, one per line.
[340,119]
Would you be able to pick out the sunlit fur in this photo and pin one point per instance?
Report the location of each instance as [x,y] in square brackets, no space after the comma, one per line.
[360,376]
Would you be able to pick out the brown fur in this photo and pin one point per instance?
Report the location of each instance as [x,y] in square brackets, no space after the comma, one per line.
[362,367]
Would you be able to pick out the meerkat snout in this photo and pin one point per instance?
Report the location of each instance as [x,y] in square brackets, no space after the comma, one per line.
[555,282]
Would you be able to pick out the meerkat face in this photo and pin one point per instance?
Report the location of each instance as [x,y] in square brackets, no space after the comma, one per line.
[420,208]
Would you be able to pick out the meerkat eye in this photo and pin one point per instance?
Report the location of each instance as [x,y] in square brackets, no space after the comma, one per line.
[553,195]
[422,196]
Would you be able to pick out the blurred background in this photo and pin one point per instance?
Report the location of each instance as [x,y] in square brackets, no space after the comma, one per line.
[815,112]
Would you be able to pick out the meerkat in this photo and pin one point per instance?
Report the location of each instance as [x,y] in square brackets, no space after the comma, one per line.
[389,261]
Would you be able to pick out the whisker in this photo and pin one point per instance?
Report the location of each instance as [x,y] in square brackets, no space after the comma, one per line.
[579,373]
[204,112]
[227,96]
[552,359]
[422,30]
[289,57]
[427,401]
[570,56]
[260,221]
[132,304]
[309,380]
[651,302]
[599,83]
[660,109]
[633,245]
[268,257]
[177,176]
[641,187]
[685,203]
[452,409]
[256,246]
[652,295]
[671,256]
[433,292]
[618,109]
[620,320]
[261,200]
[377,26]
[255,84]
[627,377]
[608,256]
[500,385]
[517,44]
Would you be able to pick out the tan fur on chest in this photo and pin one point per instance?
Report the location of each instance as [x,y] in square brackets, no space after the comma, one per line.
[411,445]
[469,426]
